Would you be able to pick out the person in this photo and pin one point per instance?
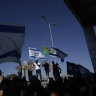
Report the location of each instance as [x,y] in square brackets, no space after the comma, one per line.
[58,71]
[24,69]
[19,68]
[1,72]
[54,69]
[38,69]
[47,68]
[29,72]
[1,92]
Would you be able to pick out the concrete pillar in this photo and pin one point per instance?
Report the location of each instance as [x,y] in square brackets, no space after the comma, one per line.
[91,43]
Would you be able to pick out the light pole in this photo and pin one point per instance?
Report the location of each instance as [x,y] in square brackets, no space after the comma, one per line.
[51,35]
[49,29]
[43,17]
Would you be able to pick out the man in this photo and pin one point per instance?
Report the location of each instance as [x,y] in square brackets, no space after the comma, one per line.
[47,68]
[0,73]
[38,69]
[29,72]
[54,70]
[19,68]
[23,69]
[58,71]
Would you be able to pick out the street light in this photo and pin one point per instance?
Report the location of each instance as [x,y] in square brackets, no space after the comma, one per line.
[49,23]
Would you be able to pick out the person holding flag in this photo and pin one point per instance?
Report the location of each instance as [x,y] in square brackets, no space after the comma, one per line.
[30,72]
[58,71]
[38,69]
[54,68]
[47,68]
[19,68]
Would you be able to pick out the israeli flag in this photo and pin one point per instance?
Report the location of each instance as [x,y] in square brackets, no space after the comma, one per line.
[11,41]
[58,53]
[84,71]
[72,69]
[35,54]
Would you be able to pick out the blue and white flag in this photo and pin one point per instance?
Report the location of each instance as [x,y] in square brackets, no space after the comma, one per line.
[32,53]
[84,71]
[72,69]
[35,54]
[11,41]
[58,53]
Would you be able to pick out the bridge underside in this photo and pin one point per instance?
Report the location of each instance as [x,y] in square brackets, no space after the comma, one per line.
[85,13]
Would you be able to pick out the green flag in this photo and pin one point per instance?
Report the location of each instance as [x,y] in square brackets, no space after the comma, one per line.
[45,51]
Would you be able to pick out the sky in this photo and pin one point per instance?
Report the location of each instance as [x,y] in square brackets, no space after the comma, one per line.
[68,34]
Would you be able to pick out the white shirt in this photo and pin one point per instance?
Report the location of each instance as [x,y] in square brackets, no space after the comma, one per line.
[37,67]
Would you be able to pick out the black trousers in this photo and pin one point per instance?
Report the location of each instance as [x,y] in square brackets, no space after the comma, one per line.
[47,72]
[29,74]
[20,74]
[57,76]
[39,72]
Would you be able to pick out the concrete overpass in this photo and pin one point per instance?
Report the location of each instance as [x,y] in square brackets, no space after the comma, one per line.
[85,13]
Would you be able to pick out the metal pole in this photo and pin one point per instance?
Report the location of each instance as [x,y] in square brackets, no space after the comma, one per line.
[51,35]
[50,32]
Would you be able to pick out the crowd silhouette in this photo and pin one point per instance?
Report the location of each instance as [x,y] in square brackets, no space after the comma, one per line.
[67,86]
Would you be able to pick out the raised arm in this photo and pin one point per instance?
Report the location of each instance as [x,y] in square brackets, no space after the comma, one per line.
[31,62]
[50,62]
[42,64]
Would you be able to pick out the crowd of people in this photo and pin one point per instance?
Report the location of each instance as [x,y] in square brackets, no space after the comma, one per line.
[56,69]
[68,86]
